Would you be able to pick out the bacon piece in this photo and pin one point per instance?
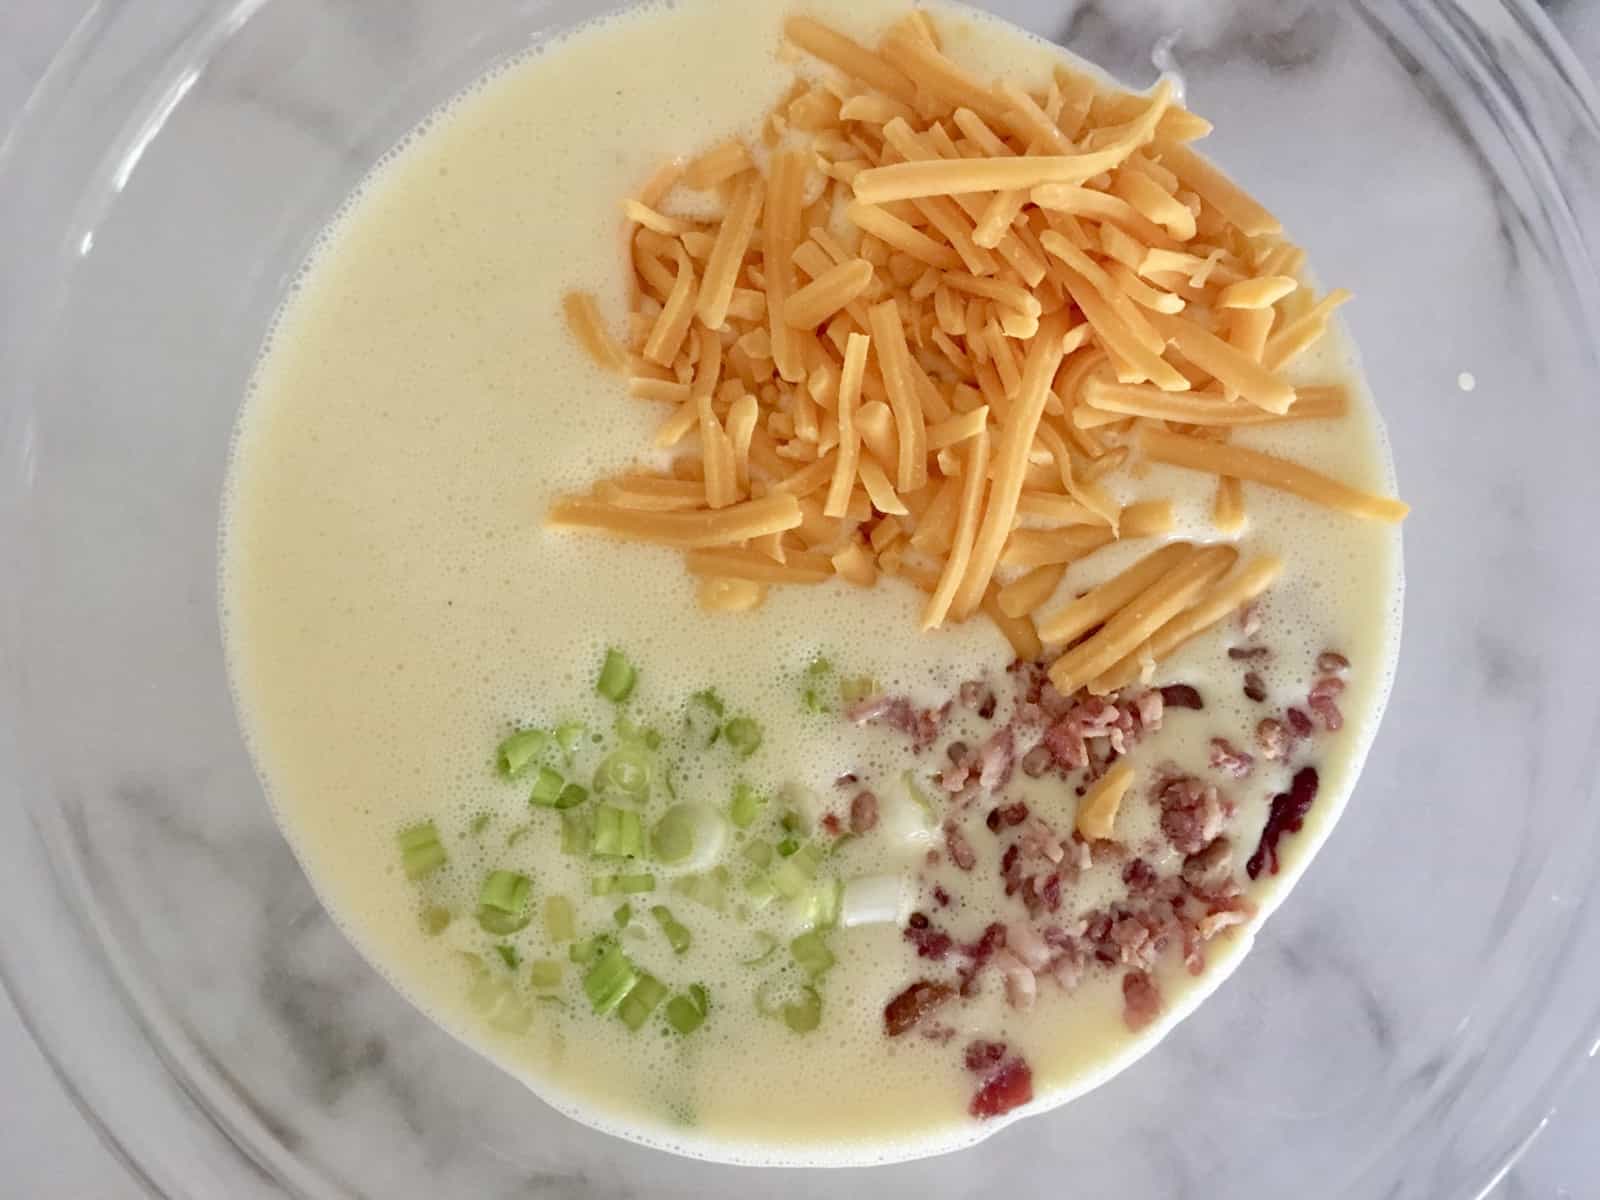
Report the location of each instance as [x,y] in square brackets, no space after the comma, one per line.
[1299,724]
[911,1005]
[995,757]
[979,953]
[1021,986]
[1181,695]
[1209,872]
[1286,815]
[1027,944]
[1328,712]
[863,812]
[1140,877]
[1191,813]
[1227,757]
[1331,662]
[931,943]
[1037,761]
[982,1056]
[1255,688]
[1141,1000]
[1272,739]
[961,852]
[1150,706]
[1009,1087]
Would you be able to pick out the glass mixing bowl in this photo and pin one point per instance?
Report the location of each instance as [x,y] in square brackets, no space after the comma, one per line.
[1404,1021]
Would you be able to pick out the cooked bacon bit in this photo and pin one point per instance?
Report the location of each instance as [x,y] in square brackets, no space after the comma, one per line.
[1214,923]
[1209,872]
[1009,868]
[1150,706]
[1039,840]
[981,1056]
[1027,944]
[1009,1087]
[1272,739]
[941,897]
[917,920]
[1328,685]
[1065,744]
[1022,988]
[957,751]
[1250,619]
[911,1005]
[1299,724]
[931,943]
[937,1033]
[1287,815]
[1037,761]
[1191,813]
[979,953]
[1255,687]
[863,812]
[1013,814]
[1181,695]
[979,697]
[1247,653]
[848,779]
[921,725]
[961,852]
[1139,876]
[830,825]
[1131,937]
[1049,892]
[995,758]
[1227,757]
[1141,1000]
[1330,662]
[1332,719]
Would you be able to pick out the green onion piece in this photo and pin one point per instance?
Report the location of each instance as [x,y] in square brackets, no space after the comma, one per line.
[617,677]
[420,851]
[709,889]
[503,902]
[677,935]
[610,980]
[577,833]
[588,951]
[747,805]
[811,953]
[519,750]
[921,797]
[805,1014]
[687,1012]
[546,973]
[569,736]
[760,891]
[559,923]
[624,772]
[744,735]
[547,787]
[822,904]
[703,717]
[508,955]
[857,687]
[622,915]
[435,920]
[608,885]
[788,846]
[618,833]
[792,877]
[479,824]
[769,947]
[685,830]
[571,796]
[811,694]
[641,1000]
[759,852]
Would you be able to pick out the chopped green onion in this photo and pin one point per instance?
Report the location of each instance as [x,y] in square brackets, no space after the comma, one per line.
[744,735]
[805,1014]
[569,736]
[608,885]
[769,947]
[546,973]
[759,890]
[759,852]
[547,787]
[747,805]
[577,833]
[559,924]
[687,1012]
[624,772]
[519,750]
[503,902]
[618,833]
[677,934]
[822,904]
[811,694]
[435,920]
[517,834]
[811,953]
[857,687]
[921,797]
[641,1000]
[610,980]
[479,824]
[622,915]
[571,796]
[630,734]
[508,955]
[703,717]
[420,851]
[788,846]
[617,677]
[672,839]
[588,951]
[792,877]
[709,889]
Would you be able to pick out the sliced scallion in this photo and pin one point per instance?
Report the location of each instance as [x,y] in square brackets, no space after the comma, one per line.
[813,686]
[435,920]
[788,846]
[677,935]
[690,836]
[641,1000]
[569,736]
[547,787]
[687,1012]
[703,717]
[611,885]
[421,852]
[804,1014]
[792,877]
[617,677]
[618,833]
[747,805]
[857,687]
[621,915]
[822,904]
[811,953]
[743,734]
[503,902]
[509,955]
[624,772]
[759,852]
[760,892]
[559,922]
[609,981]
[572,795]
[589,951]
[479,824]
[577,833]
[519,750]
[546,973]
[709,888]
[768,947]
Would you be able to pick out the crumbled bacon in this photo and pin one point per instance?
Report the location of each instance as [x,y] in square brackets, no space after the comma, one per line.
[995,757]
[978,696]
[1037,761]
[931,943]
[1209,871]
[1286,815]
[863,812]
[830,825]
[1255,688]
[1191,813]
[1181,695]
[981,1056]
[979,953]
[1227,757]
[1150,706]
[1064,741]
[1272,739]
[1250,619]
[1141,1000]
[1010,868]
[1009,1087]
[1022,987]
[961,852]
[1331,662]
[1321,701]
[1214,923]
[921,725]
[911,1005]
[1248,653]
[941,897]
[1139,876]
[1039,840]
[1299,724]
[1027,944]
[1327,685]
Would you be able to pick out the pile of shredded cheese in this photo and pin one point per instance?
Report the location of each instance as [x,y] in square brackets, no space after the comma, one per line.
[933,308]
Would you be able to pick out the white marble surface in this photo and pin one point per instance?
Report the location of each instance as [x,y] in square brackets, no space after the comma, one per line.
[47,1150]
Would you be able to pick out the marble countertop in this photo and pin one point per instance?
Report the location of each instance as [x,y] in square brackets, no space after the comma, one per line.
[48,1150]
